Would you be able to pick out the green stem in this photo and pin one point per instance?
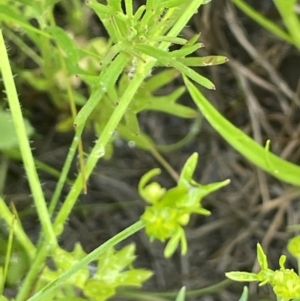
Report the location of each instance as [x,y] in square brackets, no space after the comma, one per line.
[96,96]
[18,230]
[100,146]
[114,119]
[86,260]
[136,295]
[63,176]
[28,161]
[4,161]
[98,149]
[8,254]
[35,268]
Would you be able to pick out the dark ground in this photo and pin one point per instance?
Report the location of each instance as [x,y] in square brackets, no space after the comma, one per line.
[256,91]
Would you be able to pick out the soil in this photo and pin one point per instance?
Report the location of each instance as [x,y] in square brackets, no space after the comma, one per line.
[256,91]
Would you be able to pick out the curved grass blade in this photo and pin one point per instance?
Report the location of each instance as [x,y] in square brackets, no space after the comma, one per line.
[263,21]
[290,18]
[279,168]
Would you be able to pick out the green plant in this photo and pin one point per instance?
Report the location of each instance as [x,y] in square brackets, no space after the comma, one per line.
[119,89]
[140,41]
[284,282]
[170,210]
[287,11]
[257,154]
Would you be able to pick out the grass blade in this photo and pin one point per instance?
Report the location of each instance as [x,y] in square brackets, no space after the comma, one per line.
[279,168]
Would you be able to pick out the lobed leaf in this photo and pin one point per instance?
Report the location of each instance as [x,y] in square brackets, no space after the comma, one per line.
[134,277]
[124,257]
[98,291]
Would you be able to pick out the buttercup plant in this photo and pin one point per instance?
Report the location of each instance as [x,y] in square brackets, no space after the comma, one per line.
[170,210]
[141,41]
[284,282]
[123,86]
